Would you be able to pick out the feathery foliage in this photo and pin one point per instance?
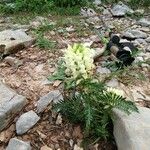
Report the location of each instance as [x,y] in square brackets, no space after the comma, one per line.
[92,108]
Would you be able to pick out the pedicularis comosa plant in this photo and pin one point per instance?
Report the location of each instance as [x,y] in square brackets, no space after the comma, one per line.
[87,101]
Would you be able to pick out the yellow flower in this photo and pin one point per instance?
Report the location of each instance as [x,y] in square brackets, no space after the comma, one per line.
[79,60]
[116,91]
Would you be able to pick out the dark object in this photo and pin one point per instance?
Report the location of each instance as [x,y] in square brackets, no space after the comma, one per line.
[122,51]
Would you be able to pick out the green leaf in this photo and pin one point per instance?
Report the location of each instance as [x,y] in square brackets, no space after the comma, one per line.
[60,74]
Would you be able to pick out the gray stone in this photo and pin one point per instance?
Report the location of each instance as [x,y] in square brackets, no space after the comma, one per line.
[45,100]
[39,21]
[15,40]
[106,12]
[103,70]
[113,83]
[148,40]
[88,12]
[144,22]
[97,2]
[145,29]
[12,61]
[10,104]
[141,41]
[121,10]
[99,52]
[147,49]
[139,12]
[135,34]
[26,121]
[132,132]
[16,144]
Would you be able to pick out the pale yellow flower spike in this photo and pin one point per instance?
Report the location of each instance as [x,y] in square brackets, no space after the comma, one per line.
[79,60]
[116,91]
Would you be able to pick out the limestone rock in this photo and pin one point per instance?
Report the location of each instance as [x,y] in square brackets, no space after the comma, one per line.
[135,34]
[121,10]
[15,40]
[113,83]
[45,100]
[103,70]
[148,40]
[16,144]
[144,22]
[97,2]
[133,131]
[26,121]
[10,104]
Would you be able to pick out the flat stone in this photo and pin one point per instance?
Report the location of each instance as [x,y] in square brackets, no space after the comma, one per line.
[132,131]
[148,40]
[113,83]
[98,52]
[10,104]
[141,41]
[87,12]
[120,10]
[97,2]
[45,100]
[15,40]
[135,34]
[26,121]
[103,70]
[144,22]
[16,144]
[148,49]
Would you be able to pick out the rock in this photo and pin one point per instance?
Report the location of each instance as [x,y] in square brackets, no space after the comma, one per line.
[138,95]
[141,41]
[148,40]
[135,34]
[113,83]
[39,21]
[133,131]
[45,100]
[24,28]
[139,59]
[94,38]
[16,144]
[145,29]
[12,61]
[99,52]
[26,121]
[2,20]
[139,12]
[97,2]
[147,49]
[144,22]
[87,12]
[120,10]
[15,40]
[10,104]
[106,12]
[70,29]
[102,70]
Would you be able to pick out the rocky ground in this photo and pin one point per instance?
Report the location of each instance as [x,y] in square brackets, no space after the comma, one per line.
[25,112]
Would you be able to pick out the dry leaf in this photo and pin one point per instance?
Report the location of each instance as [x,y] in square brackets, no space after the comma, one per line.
[43,136]
[77,133]
[57,83]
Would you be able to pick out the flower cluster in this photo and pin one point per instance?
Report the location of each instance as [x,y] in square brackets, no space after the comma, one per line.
[79,61]
[115,91]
